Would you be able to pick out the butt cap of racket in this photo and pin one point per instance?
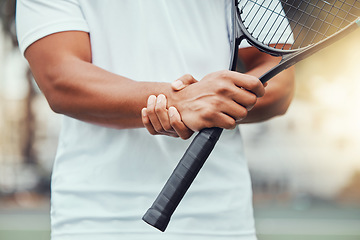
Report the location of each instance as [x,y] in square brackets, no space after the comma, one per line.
[156,219]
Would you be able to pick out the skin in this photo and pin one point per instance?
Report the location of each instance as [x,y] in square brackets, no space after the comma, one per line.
[62,66]
[159,118]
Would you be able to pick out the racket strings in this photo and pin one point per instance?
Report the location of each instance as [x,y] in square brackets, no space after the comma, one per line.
[334,16]
[310,21]
[316,6]
[309,28]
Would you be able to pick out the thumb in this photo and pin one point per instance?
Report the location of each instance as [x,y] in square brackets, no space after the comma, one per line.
[183,82]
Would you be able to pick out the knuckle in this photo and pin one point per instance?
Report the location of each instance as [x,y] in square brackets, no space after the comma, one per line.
[158,109]
[158,129]
[150,111]
[214,104]
[222,88]
[187,77]
[253,82]
[174,123]
[208,115]
[168,128]
[186,136]
[224,74]
[153,132]
[230,124]
[243,113]
[252,100]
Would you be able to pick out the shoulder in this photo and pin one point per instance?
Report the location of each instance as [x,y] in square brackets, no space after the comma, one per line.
[36,19]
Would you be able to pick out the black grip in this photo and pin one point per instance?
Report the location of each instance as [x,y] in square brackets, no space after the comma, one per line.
[160,212]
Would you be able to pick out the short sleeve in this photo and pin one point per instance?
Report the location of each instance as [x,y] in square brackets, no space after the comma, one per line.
[36,19]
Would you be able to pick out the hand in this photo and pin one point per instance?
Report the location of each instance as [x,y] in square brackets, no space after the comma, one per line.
[221,99]
[159,120]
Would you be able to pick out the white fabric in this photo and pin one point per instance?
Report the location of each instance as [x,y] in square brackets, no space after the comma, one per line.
[105,179]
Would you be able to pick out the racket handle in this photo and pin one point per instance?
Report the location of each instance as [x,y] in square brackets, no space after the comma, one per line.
[160,212]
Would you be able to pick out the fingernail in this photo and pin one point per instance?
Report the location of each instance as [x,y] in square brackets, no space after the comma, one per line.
[151,100]
[160,98]
[143,112]
[178,84]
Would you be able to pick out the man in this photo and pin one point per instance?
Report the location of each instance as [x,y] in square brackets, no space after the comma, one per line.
[97,63]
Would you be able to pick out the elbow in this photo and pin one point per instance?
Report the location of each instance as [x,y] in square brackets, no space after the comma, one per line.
[284,104]
[282,110]
[58,99]
[55,105]
[55,89]
[285,99]
[278,105]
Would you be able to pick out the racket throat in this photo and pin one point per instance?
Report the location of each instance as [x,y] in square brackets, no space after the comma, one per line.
[286,62]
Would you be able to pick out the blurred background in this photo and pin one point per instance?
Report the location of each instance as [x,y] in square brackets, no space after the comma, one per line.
[305,166]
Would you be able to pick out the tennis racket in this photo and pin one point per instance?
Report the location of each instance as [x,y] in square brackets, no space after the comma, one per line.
[265,24]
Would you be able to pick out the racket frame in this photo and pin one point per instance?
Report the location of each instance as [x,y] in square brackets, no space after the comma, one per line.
[289,56]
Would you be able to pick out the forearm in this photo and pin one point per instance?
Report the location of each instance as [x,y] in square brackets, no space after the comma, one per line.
[83,91]
[278,94]
[62,66]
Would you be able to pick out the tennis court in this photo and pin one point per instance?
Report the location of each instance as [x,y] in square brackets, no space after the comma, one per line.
[279,223]
[25,224]
[315,223]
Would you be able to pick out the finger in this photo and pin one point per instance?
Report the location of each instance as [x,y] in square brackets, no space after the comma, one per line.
[222,120]
[150,128]
[162,114]
[246,81]
[252,84]
[244,98]
[231,109]
[146,121]
[152,114]
[158,116]
[183,82]
[180,128]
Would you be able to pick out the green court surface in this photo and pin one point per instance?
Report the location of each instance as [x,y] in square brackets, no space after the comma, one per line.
[273,223]
[307,237]
[324,222]
[24,224]
[24,235]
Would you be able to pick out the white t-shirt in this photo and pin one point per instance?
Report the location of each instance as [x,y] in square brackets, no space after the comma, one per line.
[105,179]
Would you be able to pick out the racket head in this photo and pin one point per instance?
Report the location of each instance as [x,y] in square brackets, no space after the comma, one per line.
[281,27]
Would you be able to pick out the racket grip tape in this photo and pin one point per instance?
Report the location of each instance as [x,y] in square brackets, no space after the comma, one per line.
[159,214]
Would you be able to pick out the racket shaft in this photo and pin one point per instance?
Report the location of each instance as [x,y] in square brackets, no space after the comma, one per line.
[294,58]
[160,212]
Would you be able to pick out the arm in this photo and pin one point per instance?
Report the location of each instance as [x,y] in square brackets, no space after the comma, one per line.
[279,90]
[61,65]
